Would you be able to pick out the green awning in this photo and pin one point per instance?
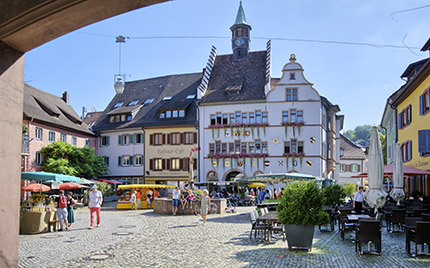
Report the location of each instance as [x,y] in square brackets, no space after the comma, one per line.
[85,181]
[47,176]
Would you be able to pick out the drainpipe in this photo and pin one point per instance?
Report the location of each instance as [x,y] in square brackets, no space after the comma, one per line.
[198,143]
[144,155]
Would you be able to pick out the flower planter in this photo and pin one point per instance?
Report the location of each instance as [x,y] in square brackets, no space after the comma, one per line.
[299,236]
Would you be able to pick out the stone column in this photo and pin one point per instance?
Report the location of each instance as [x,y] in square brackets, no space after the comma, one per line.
[11,111]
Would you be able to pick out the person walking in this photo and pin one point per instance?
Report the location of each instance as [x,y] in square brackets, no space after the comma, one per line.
[175,200]
[138,199]
[262,195]
[70,207]
[133,200]
[204,205]
[95,200]
[357,203]
[62,210]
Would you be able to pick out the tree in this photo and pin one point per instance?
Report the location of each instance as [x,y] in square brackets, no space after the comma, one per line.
[333,195]
[349,189]
[63,158]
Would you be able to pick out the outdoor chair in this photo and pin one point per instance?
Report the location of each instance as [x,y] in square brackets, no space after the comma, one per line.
[346,227]
[278,228]
[266,210]
[421,235]
[369,231]
[397,219]
[255,224]
[330,213]
[262,211]
[419,211]
[343,212]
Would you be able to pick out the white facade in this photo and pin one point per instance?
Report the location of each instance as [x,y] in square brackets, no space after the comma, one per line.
[349,168]
[311,140]
[124,152]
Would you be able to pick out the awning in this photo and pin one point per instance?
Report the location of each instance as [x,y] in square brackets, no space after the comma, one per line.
[47,176]
[110,181]
[388,172]
[137,186]
[277,177]
[85,181]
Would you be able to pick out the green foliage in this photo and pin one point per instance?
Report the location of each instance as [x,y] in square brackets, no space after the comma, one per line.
[350,134]
[361,134]
[333,195]
[104,188]
[302,204]
[63,158]
[24,129]
[349,189]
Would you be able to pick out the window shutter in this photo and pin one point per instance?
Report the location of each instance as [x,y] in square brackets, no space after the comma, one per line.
[400,121]
[195,138]
[131,138]
[151,164]
[358,168]
[164,164]
[169,138]
[107,140]
[421,104]
[120,139]
[131,160]
[182,135]
[194,163]
[168,164]
[100,142]
[424,141]
[410,114]
[409,150]
[119,160]
[186,164]
[181,164]
[151,139]
[163,139]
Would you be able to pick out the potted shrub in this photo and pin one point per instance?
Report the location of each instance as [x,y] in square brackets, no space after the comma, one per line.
[300,209]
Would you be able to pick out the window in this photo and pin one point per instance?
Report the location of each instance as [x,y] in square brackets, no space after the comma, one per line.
[168,114]
[425,102]
[38,133]
[158,164]
[244,118]
[117,118]
[354,168]
[243,147]
[175,138]
[189,138]
[218,118]
[175,164]
[167,98]
[132,103]
[162,115]
[181,113]
[292,76]
[223,148]
[124,139]
[424,142]
[251,148]
[287,147]
[138,160]
[264,147]
[158,139]
[291,94]
[74,140]
[406,151]
[87,142]
[106,160]
[231,148]
[211,148]
[112,119]
[300,148]
[238,117]
[148,101]
[190,97]
[293,114]
[104,141]
[138,138]
[294,146]
[258,116]
[299,116]
[225,119]
[213,120]
[251,118]
[405,117]
[232,118]
[123,117]
[175,113]
[51,136]
[284,117]
[237,147]
[257,146]
[119,104]
[126,161]
[63,137]
[342,167]
[38,158]
[341,152]
[264,117]
[129,117]
[239,32]
[217,147]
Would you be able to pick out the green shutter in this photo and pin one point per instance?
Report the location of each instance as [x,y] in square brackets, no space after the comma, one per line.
[120,139]
[131,138]
[131,160]
[119,160]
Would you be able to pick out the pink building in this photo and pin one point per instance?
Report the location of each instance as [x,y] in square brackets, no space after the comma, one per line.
[50,118]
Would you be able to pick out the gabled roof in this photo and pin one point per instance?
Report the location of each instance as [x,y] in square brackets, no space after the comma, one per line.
[350,150]
[52,110]
[176,86]
[426,46]
[91,118]
[413,68]
[246,76]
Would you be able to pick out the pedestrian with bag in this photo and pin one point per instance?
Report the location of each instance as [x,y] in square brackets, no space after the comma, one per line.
[70,207]
[62,210]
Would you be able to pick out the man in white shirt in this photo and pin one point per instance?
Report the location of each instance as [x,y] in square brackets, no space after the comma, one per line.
[358,200]
[95,201]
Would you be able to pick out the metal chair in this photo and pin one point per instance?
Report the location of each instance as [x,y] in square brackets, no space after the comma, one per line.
[421,235]
[397,219]
[369,231]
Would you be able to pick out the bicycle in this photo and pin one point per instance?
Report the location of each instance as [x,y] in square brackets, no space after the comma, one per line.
[212,210]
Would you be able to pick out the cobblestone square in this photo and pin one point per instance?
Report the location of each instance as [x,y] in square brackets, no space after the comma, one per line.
[144,239]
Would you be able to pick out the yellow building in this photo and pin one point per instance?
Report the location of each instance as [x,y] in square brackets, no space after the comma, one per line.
[168,151]
[413,122]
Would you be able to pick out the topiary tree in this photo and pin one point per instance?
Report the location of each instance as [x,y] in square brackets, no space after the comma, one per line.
[302,204]
[333,195]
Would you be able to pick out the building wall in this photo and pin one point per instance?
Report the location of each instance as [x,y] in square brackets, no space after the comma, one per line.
[114,150]
[168,152]
[418,122]
[36,145]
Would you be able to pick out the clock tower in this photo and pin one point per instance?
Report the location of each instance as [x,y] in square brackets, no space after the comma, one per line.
[240,35]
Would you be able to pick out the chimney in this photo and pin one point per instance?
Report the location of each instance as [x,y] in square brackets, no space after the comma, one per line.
[84,112]
[66,97]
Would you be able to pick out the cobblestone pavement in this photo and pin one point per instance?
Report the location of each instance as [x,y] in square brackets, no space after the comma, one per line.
[144,239]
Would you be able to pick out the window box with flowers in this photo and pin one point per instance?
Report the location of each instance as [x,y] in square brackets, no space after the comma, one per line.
[293,157]
[294,125]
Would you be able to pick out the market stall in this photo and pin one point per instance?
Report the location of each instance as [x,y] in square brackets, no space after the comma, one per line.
[125,191]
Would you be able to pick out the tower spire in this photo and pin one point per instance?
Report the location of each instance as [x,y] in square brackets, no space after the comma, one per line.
[240,17]
[240,35]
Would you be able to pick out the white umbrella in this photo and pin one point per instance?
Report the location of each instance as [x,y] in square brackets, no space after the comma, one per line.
[397,192]
[375,197]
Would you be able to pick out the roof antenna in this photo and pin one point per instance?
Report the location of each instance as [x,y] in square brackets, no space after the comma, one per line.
[119,79]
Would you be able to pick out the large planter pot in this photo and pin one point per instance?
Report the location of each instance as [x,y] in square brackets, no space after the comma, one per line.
[299,236]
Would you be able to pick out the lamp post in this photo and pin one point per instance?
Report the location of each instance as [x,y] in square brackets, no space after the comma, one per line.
[119,79]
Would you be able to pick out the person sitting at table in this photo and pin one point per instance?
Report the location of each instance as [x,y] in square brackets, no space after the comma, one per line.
[190,198]
[357,202]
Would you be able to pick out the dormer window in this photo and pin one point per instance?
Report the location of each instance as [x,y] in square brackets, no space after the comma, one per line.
[168,114]
[190,97]
[148,101]
[181,113]
[292,76]
[132,103]
[167,98]
[119,104]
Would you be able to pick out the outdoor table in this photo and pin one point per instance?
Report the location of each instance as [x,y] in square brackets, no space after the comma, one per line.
[268,219]
[356,217]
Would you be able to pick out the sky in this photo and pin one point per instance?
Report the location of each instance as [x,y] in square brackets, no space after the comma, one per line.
[358,78]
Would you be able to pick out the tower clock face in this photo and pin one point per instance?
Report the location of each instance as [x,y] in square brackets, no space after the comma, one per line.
[239,42]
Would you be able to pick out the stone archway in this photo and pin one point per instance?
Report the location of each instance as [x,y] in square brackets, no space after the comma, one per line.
[212,175]
[231,174]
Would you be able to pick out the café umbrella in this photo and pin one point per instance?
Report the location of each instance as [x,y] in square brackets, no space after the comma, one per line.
[257,184]
[375,197]
[397,192]
[36,187]
[69,185]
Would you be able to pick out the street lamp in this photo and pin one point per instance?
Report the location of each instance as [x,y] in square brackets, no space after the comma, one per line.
[119,79]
